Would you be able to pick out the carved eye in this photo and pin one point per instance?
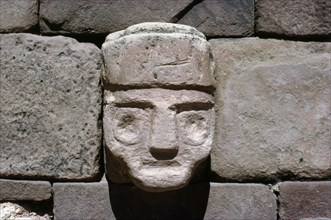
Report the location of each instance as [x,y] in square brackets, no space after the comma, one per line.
[194,126]
[129,125]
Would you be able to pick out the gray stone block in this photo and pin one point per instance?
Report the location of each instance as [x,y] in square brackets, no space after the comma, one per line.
[82,201]
[18,15]
[102,16]
[293,18]
[272,109]
[305,200]
[20,190]
[222,18]
[50,107]
[233,201]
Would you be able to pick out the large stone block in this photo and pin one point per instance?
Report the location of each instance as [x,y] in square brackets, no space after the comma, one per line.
[240,201]
[104,16]
[293,18]
[82,201]
[305,200]
[222,18]
[12,190]
[272,109]
[50,107]
[18,15]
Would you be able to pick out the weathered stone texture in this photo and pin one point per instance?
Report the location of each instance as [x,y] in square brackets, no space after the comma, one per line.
[50,107]
[272,109]
[240,201]
[158,135]
[222,17]
[154,54]
[9,211]
[15,190]
[104,16]
[305,200]
[294,18]
[18,15]
[82,201]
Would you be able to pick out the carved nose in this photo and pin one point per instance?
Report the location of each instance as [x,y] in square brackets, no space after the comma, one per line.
[164,138]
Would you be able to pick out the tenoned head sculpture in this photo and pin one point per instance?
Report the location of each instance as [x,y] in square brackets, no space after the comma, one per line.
[158,111]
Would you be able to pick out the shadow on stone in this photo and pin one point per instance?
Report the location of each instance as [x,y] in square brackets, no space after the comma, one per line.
[130,202]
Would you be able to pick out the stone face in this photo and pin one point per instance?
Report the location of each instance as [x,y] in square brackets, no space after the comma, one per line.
[157,136]
[154,54]
[159,128]
[18,15]
[222,18]
[305,200]
[104,16]
[14,190]
[10,210]
[240,201]
[82,201]
[50,107]
[294,18]
[272,109]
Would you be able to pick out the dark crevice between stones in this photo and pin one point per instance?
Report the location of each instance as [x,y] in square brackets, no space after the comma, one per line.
[100,123]
[96,39]
[304,38]
[115,87]
[276,192]
[183,12]
[267,180]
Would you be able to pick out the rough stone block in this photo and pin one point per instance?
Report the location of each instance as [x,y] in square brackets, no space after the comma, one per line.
[294,18]
[240,201]
[305,200]
[10,211]
[272,109]
[102,16]
[14,190]
[82,201]
[50,107]
[18,15]
[222,17]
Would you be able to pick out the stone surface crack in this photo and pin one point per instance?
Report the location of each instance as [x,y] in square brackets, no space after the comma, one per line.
[183,12]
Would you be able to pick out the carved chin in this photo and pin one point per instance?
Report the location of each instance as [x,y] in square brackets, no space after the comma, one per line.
[161,179]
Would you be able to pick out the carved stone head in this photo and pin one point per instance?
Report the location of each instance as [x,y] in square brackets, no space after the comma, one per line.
[158,110]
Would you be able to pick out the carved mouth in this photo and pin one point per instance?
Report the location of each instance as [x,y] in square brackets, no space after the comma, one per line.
[161,163]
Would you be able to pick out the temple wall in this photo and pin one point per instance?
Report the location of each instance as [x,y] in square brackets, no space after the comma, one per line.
[271,154]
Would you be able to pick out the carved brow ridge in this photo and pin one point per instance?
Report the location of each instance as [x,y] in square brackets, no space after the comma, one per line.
[178,107]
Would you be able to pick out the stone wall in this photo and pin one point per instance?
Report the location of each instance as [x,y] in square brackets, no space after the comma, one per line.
[271,157]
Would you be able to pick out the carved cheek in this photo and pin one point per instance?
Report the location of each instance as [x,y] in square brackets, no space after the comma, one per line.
[130,125]
[194,126]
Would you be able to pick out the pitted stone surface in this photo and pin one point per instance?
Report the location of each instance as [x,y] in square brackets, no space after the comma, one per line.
[305,200]
[273,109]
[157,137]
[19,190]
[18,15]
[240,201]
[153,54]
[294,18]
[158,128]
[62,16]
[82,201]
[50,107]
[9,211]
[222,17]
